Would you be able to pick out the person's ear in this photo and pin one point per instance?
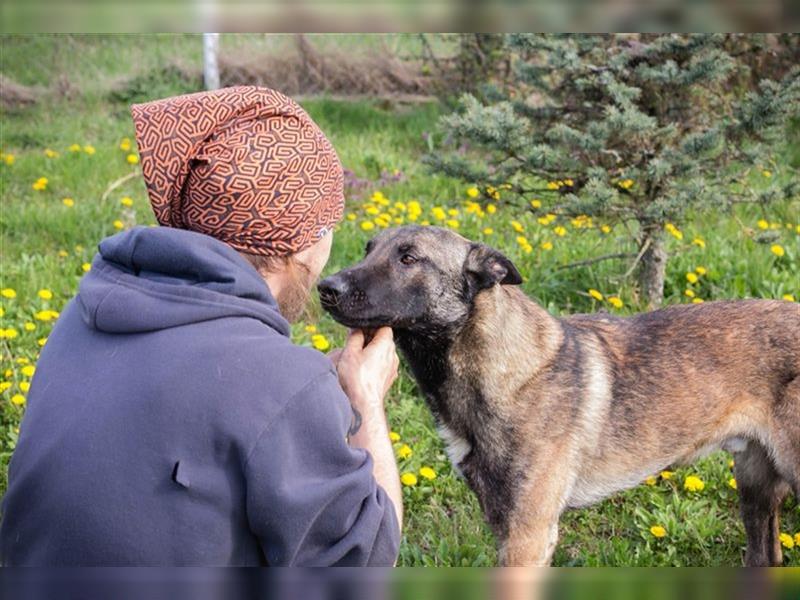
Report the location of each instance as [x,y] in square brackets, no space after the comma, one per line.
[486,267]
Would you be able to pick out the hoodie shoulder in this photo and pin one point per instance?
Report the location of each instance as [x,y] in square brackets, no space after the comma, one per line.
[259,352]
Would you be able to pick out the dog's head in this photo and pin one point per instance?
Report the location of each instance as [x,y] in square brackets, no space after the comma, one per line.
[414,278]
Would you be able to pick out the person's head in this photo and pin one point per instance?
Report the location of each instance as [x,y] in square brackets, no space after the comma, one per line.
[247,166]
[291,277]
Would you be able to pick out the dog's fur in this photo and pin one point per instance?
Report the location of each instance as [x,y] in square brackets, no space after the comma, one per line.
[542,414]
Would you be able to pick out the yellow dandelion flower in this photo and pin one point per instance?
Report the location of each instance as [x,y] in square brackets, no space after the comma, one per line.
[45,315]
[693,484]
[311,329]
[75,148]
[86,267]
[595,294]
[125,144]
[28,370]
[691,277]
[351,216]
[766,173]
[29,326]
[8,334]
[452,223]
[473,192]
[41,341]
[18,399]
[699,242]
[763,224]
[658,531]
[777,250]
[667,474]
[689,293]
[373,210]
[8,159]
[404,451]
[701,270]
[425,223]
[536,203]
[569,182]
[491,209]
[8,293]
[320,342]
[552,185]
[132,159]
[45,294]
[650,480]
[786,540]
[488,231]
[126,201]
[40,184]
[25,386]
[731,462]
[50,153]
[89,150]
[605,229]
[394,436]
[4,385]
[118,224]
[732,483]
[546,245]
[797,229]
[797,539]
[517,226]
[68,202]
[615,301]
[408,479]
[560,231]
[788,297]
[438,213]
[427,473]
[697,300]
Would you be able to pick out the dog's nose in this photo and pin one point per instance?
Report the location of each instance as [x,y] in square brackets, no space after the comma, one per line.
[331,289]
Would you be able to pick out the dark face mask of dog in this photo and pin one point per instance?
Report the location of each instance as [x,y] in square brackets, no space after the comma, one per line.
[415,278]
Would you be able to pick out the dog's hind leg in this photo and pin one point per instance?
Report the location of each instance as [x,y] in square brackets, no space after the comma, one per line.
[761,492]
[785,437]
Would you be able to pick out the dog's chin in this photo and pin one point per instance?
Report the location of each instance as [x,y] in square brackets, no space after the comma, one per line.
[356,321]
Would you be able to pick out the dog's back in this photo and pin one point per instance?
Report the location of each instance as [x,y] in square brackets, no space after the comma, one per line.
[688,379]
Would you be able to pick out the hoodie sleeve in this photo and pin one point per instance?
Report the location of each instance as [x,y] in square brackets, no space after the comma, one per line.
[312,500]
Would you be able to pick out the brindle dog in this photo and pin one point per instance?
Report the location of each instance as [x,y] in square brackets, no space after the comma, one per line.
[541,414]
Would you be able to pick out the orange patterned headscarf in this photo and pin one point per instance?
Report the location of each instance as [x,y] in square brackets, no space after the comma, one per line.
[245,165]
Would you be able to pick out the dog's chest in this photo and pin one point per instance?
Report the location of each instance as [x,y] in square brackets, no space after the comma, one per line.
[456,446]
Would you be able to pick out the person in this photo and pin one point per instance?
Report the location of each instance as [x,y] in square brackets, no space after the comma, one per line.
[171,421]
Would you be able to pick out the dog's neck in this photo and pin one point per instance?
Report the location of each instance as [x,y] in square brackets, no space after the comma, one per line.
[503,341]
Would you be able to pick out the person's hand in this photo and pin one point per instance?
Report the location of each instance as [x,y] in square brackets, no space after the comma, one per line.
[367,370]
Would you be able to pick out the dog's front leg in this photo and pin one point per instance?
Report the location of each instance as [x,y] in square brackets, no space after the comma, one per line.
[533,526]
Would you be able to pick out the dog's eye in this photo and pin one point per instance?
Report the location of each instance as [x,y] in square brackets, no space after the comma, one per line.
[407,259]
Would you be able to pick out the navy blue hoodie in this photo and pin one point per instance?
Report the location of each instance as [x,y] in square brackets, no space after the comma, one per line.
[171,421]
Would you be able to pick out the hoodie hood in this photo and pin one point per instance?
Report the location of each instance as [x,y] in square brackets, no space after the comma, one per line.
[151,278]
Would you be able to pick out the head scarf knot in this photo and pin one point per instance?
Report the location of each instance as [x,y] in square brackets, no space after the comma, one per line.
[244,164]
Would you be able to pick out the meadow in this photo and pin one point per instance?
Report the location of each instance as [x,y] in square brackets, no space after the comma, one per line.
[69,177]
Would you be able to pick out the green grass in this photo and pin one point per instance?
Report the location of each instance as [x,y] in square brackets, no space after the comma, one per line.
[44,243]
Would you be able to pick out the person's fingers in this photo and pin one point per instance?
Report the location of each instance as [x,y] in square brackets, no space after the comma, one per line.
[355,341]
[383,335]
[335,356]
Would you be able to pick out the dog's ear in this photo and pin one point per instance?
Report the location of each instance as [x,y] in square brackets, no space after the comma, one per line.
[486,266]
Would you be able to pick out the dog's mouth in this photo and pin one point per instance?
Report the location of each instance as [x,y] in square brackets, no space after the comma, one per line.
[342,312]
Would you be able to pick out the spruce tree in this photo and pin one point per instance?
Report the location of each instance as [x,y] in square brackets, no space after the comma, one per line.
[636,128]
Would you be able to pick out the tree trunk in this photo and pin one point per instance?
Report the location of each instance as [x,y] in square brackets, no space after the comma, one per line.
[652,267]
